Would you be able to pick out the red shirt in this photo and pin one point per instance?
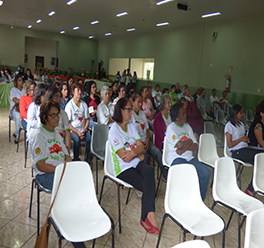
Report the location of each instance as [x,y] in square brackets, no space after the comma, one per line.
[24,104]
[92,104]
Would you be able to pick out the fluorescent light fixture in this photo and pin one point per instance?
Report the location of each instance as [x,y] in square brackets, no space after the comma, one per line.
[52,13]
[95,22]
[75,28]
[29,26]
[164,1]
[91,37]
[38,21]
[62,32]
[162,24]
[130,29]
[122,14]
[211,14]
[71,2]
[1,3]
[107,34]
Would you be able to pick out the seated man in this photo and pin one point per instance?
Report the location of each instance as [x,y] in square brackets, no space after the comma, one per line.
[183,93]
[223,100]
[202,100]
[196,94]
[157,95]
[105,109]
[214,99]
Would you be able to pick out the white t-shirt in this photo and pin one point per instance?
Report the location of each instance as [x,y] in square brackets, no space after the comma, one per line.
[157,94]
[33,119]
[123,78]
[175,134]
[213,99]
[63,123]
[236,132]
[141,124]
[134,79]
[46,145]
[103,111]
[115,100]
[119,139]
[168,120]
[77,115]
[15,92]
[45,79]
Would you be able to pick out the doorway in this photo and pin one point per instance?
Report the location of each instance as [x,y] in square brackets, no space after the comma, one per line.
[39,61]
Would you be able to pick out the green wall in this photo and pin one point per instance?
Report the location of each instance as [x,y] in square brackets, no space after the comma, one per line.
[73,51]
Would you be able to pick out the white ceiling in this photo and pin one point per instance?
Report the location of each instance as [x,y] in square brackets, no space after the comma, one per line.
[143,14]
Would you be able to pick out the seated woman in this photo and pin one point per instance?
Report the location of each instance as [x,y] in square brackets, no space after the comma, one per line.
[147,105]
[70,82]
[237,141]
[162,120]
[28,75]
[64,95]
[173,95]
[15,94]
[105,109]
[121,93]
[78,117]
[33,119]
[114,93]
[53,93]
[92,101]
[181,145]
[8,77]
[140,120]
[128,162]
[256,133]
[25,101]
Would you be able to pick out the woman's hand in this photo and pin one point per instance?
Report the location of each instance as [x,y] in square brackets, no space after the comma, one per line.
[245,139]
[146,144]
[128,156]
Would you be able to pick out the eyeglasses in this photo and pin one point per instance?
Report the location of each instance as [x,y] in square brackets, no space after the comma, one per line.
[54,115]
[129,109]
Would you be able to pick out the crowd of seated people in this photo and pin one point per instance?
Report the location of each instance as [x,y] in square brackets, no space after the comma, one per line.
[65,115]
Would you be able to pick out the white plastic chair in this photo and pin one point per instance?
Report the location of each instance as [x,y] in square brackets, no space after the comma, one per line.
[258,174]
[193,244]
[209,128]
[241,164]
[254,229]
[245,121]
[207,152]
[76,213]
[227,193]
[183,204]
[204,114]
[249,115]
[166,166]
[99,137]
[108,170]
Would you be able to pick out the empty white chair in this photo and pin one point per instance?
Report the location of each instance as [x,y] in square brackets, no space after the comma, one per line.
[183,204]
[241,164]
[258,174]
[166,166]
[108,170]
[193,244]
[245,121]
[249,115]
[221,117]
[254,237]
[99,137]
[76,213]
[215,108]
[204,114]
[209,128]
[207,152]
[227,193]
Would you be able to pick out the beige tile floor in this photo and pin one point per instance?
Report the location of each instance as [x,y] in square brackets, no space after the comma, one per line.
[18,230]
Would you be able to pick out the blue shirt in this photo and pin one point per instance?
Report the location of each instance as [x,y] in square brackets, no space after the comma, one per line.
[64,102]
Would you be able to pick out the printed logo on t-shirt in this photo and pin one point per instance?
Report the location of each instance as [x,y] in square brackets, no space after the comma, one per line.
[116,142]
[132,147]
[173,137]
[80,117]
[37,151]
[55,148]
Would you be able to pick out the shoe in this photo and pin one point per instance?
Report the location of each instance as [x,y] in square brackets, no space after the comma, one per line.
[14,135]
[139,193]
[149,230]
[15,141]
[153,228]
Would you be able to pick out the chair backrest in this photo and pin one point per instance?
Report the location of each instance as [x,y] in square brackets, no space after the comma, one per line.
[76,190]
[254,237]
[221,116]
[207,151]
[165,152]
[227,153]
[215,108]
[225,180]
[193,244]
[99,137]
[258,174]
[249,115]
[182,186]
[209,127]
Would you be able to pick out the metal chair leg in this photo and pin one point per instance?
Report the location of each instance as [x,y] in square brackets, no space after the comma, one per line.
[229,220]
[239,230]
[101,194]
[31,197]
[96,174]
[119,207]
[161,228]
[128,194]
[9,130]
[38,208]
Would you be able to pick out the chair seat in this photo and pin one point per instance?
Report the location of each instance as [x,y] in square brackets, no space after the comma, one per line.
[219,143]
[210,161]
[199,221]
[81,227]
[99,153]
[193,244]
[120,181]
[239,201]
[41,188]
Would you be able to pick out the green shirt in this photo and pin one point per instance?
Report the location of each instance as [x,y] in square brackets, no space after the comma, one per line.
[174,95]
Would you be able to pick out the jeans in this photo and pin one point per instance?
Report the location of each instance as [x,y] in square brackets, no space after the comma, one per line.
[16,116]
[155,153]
[77,143]
[202,171]
[46,180]
[91,123]
[24,124]
[142,179]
